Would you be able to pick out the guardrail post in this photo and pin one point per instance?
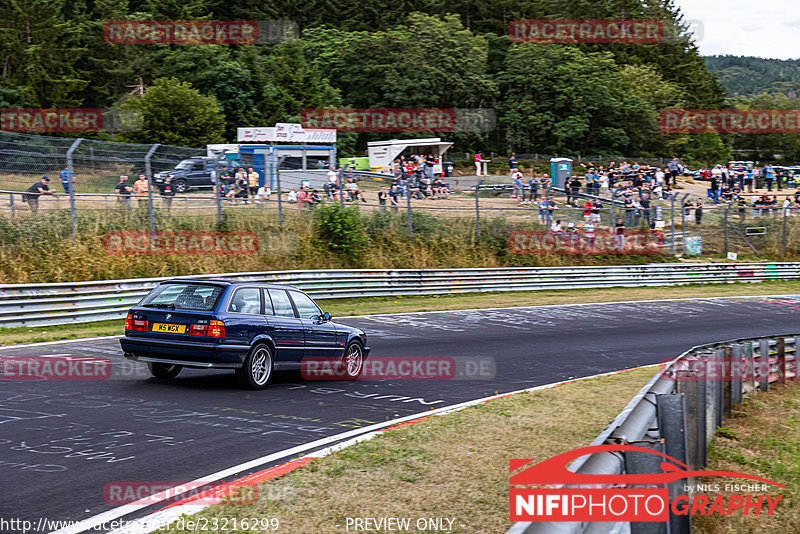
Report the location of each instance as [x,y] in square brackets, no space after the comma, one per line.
[739,369]
[781,349]
[719,382]
[751,367]
[727,384]
[72,209]
[149,175]
[672,422]
[695,391]
[710,400]
[763,365]
[640,463]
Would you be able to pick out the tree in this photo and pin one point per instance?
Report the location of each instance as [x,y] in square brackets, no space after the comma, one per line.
[173,113]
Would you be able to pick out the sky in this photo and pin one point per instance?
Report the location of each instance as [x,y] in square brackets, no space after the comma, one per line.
[761,28]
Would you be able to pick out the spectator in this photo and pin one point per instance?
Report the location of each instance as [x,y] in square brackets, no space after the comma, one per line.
[165,189]
[333,177]
[353,192]
[533,189]
[314,196]
[292,196]
[382,197]
[769,175]
[512,163]
[551,207]
[575,188]
[589,232]
[715,186]
[542,211]
[430,161]
[673,167]
[518,192]
[66,183]
[243,187]
[477,164]
[263,194]
[303,198]
[698,212]
[124,191]
[225,177]
[587,210]
[619,235]
[556,227]
[629,210]
[252,181]
[32,194]
[645,202]
[596,207]
[394,195]
[141,188]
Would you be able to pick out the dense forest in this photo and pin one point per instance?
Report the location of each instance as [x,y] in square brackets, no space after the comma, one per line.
[567,99]
[753,76]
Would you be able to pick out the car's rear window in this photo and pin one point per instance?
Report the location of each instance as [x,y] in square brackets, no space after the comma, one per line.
[181,296]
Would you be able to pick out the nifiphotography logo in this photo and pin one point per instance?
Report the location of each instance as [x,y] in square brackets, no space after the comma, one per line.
[632,497]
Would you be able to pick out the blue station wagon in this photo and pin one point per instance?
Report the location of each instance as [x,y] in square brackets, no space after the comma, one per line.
[255,328]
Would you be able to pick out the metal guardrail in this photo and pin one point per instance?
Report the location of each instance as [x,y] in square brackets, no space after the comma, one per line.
[678,413]
[76,302]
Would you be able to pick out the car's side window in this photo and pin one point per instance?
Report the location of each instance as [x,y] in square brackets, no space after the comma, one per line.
[305,306]
[281,303]
[246,300]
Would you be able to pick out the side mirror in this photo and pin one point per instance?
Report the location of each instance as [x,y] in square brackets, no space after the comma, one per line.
[326,316]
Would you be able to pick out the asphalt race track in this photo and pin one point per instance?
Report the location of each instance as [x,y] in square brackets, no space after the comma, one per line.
[63,441]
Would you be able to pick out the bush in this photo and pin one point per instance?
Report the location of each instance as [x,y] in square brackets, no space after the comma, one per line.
[342,231]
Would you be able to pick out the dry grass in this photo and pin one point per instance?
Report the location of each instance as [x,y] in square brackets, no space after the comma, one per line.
[454,466]
[762,438]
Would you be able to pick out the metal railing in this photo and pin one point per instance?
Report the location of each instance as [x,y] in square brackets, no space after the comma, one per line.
[678,413]
[75,302]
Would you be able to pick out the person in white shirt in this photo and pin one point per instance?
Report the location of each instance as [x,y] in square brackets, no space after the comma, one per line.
[333,176]
[556,227]
[292,195]
[659,177]
[263,194]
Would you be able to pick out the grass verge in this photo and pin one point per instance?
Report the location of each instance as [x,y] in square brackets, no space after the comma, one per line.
[399,304]
[454,466]
[762,438]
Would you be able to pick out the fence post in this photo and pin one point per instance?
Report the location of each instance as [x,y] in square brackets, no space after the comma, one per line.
[341,184]
[672,217]
[278,180]
[683,222]
[149,175]
[725,228]
[70,172]
[478,209]
[410,225]
[785,236]
[13,208]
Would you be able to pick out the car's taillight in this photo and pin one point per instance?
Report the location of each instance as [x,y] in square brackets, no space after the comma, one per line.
[137,325]
[197,329]
[216,329]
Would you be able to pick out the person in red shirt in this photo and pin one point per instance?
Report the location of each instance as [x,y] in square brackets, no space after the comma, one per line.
[587,210]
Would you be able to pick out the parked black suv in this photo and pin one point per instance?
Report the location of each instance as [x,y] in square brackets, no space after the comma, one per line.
[192,173]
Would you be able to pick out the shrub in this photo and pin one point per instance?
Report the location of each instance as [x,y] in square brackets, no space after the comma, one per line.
[342,231]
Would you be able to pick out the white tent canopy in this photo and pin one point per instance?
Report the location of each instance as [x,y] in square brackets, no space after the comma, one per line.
[383,153]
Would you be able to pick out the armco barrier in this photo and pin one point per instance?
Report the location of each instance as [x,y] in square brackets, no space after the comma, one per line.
[75,302]
[678,413]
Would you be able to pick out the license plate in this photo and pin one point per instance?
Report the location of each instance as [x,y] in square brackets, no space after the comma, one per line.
[169,328]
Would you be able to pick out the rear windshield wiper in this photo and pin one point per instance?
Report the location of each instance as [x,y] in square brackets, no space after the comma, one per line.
[168,306]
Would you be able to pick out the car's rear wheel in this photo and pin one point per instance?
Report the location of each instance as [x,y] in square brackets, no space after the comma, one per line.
[181,186]
[353,361]
[164,370]
[257,369]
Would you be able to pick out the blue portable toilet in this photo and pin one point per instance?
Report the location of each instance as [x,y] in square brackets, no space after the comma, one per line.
[560,171]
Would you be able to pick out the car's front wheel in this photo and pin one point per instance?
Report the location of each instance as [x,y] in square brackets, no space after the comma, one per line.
[181,186]
[164,370]
[353,361]
[257,369]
